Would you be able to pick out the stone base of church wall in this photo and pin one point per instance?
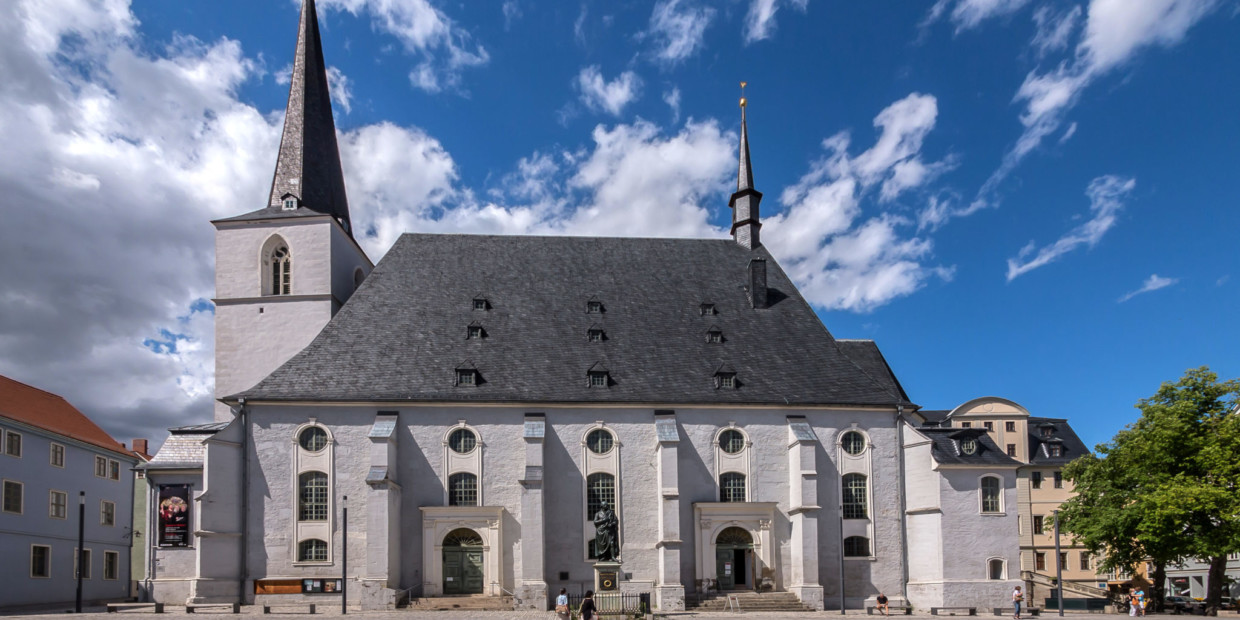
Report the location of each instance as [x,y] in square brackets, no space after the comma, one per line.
[670,598]
[376,595]
[532,595]
[214,591]
[170,591]
[810,596]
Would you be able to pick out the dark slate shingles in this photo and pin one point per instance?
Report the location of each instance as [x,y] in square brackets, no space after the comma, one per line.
[945,447]
[1061,434]
[402,334]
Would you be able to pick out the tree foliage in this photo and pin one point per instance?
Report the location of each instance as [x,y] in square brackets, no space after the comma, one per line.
[1166,487]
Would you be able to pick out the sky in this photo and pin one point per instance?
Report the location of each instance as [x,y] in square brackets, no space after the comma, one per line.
[1031,199]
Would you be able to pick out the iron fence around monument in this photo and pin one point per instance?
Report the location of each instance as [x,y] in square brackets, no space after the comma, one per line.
[612,604]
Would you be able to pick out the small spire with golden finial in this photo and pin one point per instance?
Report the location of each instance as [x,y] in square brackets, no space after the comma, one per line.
[744,180]
[744,203]
[743,101]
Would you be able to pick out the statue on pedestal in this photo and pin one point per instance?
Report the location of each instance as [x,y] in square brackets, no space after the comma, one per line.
[606,534]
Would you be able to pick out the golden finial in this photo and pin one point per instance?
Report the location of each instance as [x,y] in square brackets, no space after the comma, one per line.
[743,101]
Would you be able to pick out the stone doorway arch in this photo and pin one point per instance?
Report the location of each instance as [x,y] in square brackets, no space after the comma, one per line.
[734,565]
[462,562]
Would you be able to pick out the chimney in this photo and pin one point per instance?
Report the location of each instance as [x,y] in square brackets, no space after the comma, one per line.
[757,282]
[140,446]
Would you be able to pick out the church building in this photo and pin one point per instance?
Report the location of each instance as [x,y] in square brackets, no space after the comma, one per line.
[471,401]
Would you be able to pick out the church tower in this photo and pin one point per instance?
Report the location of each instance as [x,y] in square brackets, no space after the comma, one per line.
[744,202]
[283,271]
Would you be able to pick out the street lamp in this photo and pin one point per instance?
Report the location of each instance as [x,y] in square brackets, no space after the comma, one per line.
[344,556]
[1058,565]
[81,551]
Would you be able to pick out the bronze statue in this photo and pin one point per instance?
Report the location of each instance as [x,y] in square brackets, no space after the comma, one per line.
[606,534]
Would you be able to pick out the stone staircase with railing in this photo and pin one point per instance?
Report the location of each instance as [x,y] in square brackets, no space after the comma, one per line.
[469,602]
[1070,588]
[749,601]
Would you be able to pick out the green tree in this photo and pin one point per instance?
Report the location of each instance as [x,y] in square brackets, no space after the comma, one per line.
[1167,487]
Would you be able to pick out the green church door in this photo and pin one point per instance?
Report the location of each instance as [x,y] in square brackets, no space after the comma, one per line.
[732,557]
[725,569]
[462,563]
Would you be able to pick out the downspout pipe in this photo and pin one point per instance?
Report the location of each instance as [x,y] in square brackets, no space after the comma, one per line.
[243,573]
[902,502]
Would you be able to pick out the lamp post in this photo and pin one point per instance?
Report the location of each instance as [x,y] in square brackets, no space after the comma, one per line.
[842,611]
[344,556]
[1058,565]
[81,551]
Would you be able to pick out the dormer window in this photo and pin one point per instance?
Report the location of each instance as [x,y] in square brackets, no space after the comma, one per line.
[968,446]
[707,309]
[1056,450]
[714,335]
[598,379]
[595,334]
[480,303]
[475,331]
[727,380]
[289,202]
[467,377]
[1047,431]
[594,306]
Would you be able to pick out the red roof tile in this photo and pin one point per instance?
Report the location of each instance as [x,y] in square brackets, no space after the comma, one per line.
[34,407]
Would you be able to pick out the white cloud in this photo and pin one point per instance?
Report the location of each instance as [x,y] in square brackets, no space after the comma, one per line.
[839,258]
[678,29]
[611,97]
[445,48]
[1106,194]
[339,86]
[1068,133]
[1152,283]
[967,14]
[512,12]
[672,99]
[760,20]
[1054,29]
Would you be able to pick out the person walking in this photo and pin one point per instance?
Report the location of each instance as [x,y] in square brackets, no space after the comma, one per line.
[587,609]
[1140,601]
[1017,597]
[882,603]
[561,605]
[1132,603]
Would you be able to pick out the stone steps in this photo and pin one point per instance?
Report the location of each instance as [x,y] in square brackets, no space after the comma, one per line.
[752,601]
[463,603]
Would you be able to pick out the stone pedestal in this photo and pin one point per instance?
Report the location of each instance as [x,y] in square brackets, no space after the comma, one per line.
[607,578]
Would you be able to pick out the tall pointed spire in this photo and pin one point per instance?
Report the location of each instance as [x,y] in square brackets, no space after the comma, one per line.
[308,170]
[745,202]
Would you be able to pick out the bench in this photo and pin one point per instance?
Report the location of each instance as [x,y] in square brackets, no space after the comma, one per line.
[115,607]
[1007,611]
[193,607]
[951,611]
[907,609]
[267,608]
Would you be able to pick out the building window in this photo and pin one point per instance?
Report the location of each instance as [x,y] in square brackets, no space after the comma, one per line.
[594,307]
[462,490]
[467,377]
[1058,480]
[600,441]
[598,379]
[990,426]
[13,497]
[856,547]
[473,331]
[281,271]
[1038,524]
[714,336]
[85,557]
[968,446]
[991,498]
[1011,449]
[1009,427]
[1084,561]
[312,496]
[13,444]
[966,425]
[107,513]
[853,442]
[732,441]
[1056,450]
[111,565]
[1039,560]
[313,439]
[40,562]
[290,202]
[854,496]
[101,467]
[707,309]
[732,487]
[114,470]
[58,455]
[1048,431]
[725,380]
[313,550]
[1036,479]
[1063,560]
[994,569]
[595,335]
[57,504]
[462,441]
[600,488]
[480,303]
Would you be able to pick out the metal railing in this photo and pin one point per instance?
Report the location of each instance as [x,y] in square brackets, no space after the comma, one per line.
[614,603]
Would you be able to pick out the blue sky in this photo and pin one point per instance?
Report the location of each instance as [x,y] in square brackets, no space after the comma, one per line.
[1024,198]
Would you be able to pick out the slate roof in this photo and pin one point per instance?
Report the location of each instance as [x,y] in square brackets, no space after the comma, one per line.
[934,417]
[1062,434]
[946,447]
[865,354]
[183,449]
[402,334]
[52,413]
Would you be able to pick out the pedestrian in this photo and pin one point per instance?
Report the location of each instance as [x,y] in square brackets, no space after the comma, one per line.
[882,603]
[561,605]
[1132,603]
[1140,601]
[587,608]
[1016,599]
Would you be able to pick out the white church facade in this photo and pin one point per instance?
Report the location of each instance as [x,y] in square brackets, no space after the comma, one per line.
[473,400]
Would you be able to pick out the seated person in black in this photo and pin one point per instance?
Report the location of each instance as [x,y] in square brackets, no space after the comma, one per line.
[882,603]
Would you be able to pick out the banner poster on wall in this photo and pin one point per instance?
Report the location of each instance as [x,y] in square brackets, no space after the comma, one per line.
[174,515]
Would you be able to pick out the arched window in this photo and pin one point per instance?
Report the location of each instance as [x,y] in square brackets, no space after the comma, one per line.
[277,271]
[992,500]
[856,547]
[312,496]
[994,568]
[853,442]
[313,550]
[732,487]
[462,490]
[358,276]
[855,497]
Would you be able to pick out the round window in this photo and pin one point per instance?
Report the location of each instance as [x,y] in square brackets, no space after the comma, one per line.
[968,446]
[313,439]
[732,441]
[853,442]
[462,441]
[599,441]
